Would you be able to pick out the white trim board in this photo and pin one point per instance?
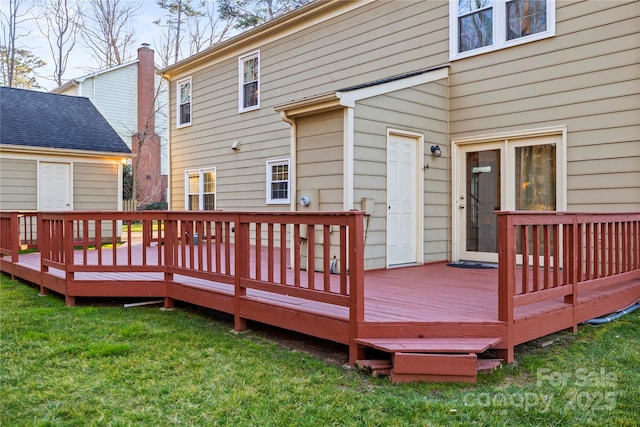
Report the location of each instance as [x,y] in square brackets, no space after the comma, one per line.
[348,99]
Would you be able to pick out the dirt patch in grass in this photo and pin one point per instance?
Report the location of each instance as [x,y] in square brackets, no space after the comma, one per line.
[329,352]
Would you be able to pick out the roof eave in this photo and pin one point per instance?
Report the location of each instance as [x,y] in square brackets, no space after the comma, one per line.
[62,151]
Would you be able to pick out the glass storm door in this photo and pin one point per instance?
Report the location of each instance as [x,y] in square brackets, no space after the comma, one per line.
[482,197]
[506,175]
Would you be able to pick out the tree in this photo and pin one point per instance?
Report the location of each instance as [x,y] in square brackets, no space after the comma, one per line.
[62,18]
[251,13]
[107,31]
[15,58]
[178,10]
[207,30]
[127,182]
[203,23]
[23,68]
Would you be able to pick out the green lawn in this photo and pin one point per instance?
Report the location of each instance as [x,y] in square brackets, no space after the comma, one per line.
[112,366]
[137,226]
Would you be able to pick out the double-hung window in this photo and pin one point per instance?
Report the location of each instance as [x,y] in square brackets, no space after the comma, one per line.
[200,189]
[249,82]
[278,188]
[478,26]
[183,91]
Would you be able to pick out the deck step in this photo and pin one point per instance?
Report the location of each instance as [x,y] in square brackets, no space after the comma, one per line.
[430,359]
[430,345]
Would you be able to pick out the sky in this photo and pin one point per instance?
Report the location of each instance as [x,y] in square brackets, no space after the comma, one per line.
[80,60]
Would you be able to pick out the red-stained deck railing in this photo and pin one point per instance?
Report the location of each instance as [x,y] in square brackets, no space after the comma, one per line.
[548,255]
[18,230]
[311,256]
[9,235]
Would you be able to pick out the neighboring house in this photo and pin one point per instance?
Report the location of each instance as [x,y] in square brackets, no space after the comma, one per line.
[57,153]
[429,115]
[131,98]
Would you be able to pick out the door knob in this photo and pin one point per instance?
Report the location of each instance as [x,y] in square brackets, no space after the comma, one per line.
[461,206]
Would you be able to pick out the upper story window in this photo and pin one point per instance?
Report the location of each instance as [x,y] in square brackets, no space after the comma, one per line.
[183,91]
[200,189]
[249,82]
[278,181]
[479,26]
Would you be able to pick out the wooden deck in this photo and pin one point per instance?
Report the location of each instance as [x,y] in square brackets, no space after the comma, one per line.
[435,304]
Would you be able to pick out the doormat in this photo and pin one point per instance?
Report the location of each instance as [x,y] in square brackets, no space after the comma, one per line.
[472,264]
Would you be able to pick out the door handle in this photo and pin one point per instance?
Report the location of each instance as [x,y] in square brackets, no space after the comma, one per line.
[461,206]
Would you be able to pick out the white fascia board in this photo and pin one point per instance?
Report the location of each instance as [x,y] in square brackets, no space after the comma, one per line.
[81,79]
[10,148]
[348,99]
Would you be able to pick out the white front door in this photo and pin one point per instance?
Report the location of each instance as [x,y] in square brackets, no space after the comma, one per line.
[402,209]
[54,187]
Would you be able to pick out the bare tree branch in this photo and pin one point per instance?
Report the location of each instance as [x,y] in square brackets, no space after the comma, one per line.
[107,30]
[251,13]
[62,18]
[208,29]
[18,13]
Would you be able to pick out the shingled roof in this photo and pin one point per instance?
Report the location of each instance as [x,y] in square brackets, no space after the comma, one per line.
[39,119]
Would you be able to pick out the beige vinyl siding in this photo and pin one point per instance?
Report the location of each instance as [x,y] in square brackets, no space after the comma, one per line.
[375,41]
[323,58]
[18,184]
[319,155]
[423,110]
[216,124]
[95,186]
[586,78]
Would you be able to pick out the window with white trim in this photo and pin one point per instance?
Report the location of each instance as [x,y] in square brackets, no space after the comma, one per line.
[200,189]
[183,96]
[249,82]
[479,26]
[278,188]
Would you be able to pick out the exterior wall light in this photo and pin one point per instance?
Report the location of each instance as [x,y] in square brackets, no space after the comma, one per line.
[435,151]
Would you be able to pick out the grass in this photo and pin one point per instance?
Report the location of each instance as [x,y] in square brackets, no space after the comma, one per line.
[107,365]
[137,226]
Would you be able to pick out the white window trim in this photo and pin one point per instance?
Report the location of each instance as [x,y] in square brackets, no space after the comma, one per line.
[187,193]
[499,32]
[178,84]
[270,164]
[241,107]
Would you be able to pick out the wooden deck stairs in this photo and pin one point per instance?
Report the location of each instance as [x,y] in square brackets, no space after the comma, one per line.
[429,359]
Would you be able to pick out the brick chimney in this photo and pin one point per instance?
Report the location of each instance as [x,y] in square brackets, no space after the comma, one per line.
[146,88]
[151,186]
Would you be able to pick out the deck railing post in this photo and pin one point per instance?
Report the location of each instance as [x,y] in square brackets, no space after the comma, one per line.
[170,246]
[506,279]
[15,237]
[356,282]
[67,245]
[241,270]
[572,267]
[43,246]
[39,226]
